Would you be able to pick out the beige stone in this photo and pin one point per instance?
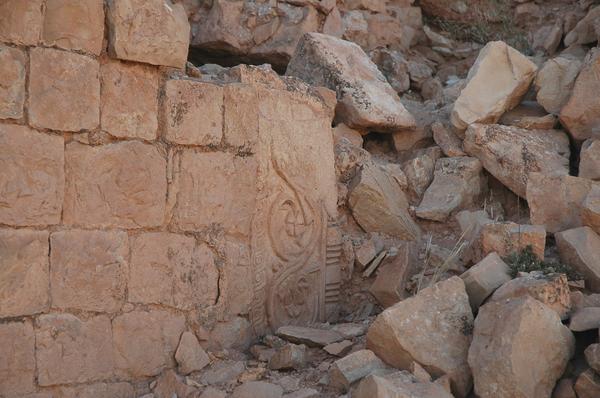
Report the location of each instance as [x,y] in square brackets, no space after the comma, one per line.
[236,285]
[21,21]
[290,356]
[365,99]
[584,32]
[96,390]
[194,112]
[366,251]
[592,356]
[510,357]
[432,329]
[172,270]
[419,171]
[23,272]
[353,367]
[252,389]
[339,349]
[580,249]
[398,384]
[17,368]
[484,277]
[587,384]
[73,350]
[210,392]
[309,336]
[117,185]
[471,224]
[12,82]
[75,25]
[449,142]
[590,209]
[390,285]
[88,270]
[152,31]
[135,332]
[129,100]
[554,82]
[190,356]
[495,83]
[585,319]
[342,131]
[589,163]
[508,237]
[64,90]
[511,154]
[32,177]
[240,115]
[564,389]
[235,333]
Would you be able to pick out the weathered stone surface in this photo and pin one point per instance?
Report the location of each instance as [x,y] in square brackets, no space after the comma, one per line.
[564,389]
[304,393]
[551,290]
[431,328]
[12,82]
[353,367]
[580,249]
[398,384]
[309,336]
[339,349]
[581,114]
[592,356]
[32,177]
[236,333]
[496,82]
[457,183]
[152,31]
[484,277]
[584,32]
[350,330]
[17,368]
[240,115]
[471,225]
[507,238]
[23,272]
[252,389]
[190,356]
[589,162]
[73,350]
[365,99]
[169,384]
[590,209]
[379,205]
[290,356]
[554,82]
[117,185]
[510,358]
[342,131]
[394,67]
[64,90]
[585,319]
[194,112]
[171,269]
[88,269]
[96,390]
[134,332]
[210,392]
[556,202]
[21,21]
[587,384]
[129,100]
[511,154]
[419,171]
[389,286]
[449,142]
[222,372]
[74,25]
[367,250]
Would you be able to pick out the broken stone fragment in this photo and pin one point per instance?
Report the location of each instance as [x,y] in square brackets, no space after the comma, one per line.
[484,277]
[449,142]
[171,384]
[590,209]
[222,372]
[309,336]
[342,131]
[584,32]
[354,367]
[585,319]
[365,99]
[190,356]
[579,248]
[290,356]
[367,251]
[507,345]
[589,163]
[555,80]
[390,285]
[508,238]
[588,384]
[419,171]
[339,349]
[398,384]
[350,330]
[471,224]
[254,389]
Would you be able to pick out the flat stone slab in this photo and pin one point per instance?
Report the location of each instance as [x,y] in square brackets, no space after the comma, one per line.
[309,336]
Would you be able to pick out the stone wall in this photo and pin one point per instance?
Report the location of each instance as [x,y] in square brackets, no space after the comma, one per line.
[137,202]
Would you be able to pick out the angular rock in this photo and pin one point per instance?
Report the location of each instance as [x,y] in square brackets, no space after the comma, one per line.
[457,183]
[350,330]
[589,162]
[210,392]
[352,368]
[511,154]
[22,21]
[52,74]
[507,238]
[507,345]
[379,205]
[419,171]
[585,319]
[342,131]
[496,83]
[12,82]
[75,25]
[581,114]
[129,97]
[579,248]
[309,336]
[152,31]
[551,290]
[190,356]
[587,384]
[368,250]
[365,99]
[399,384]
[585,30]
[471,224]
[222,372]
[17,368]
[590,209]
[290,356]
[484,277]
[390,285]
[394,67]
[253,389]
[339,349]
[236,333]
[88,270]
[170,384]
[240,115]
[554,82]
[449,142]
[592,356]
[432,329]
[32,176]
[564,389]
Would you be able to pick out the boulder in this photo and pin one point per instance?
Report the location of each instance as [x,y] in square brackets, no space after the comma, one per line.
[590,209]
[484,277]
[365,98]
[399,384]
[309,336]
[581,114]
[507,238]
[585,31]
[457,183]
[589,162]
[588,384]
[511,154]
[555,80]
[190,356]
[354,367]
[579,248]
[379,205]
[585,319]
[510,357]
[432,328]
[496,83]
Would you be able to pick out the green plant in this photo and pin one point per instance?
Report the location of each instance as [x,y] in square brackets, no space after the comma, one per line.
[527,261]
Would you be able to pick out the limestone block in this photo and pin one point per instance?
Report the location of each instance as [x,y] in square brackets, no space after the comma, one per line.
[398,384]
[17,368]
[96,390]
[117,185]
[589,163]
[12,82]
[32,177]
[554,82]
[23,272]
[194,112]
[74,25]
[135,332]
[484,277]
[290,356]
[151,31]
[390,285]
[171,269]
[88,270]
[240,115]
[251,389]
[73,350]
[354,367]
[190,356]
[580,249]
[64,90]
[309,336]
[508,237]
[129,100]
[21,21]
